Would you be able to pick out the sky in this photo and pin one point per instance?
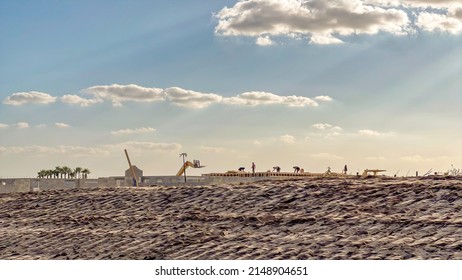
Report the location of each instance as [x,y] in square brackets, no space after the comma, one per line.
[315,84]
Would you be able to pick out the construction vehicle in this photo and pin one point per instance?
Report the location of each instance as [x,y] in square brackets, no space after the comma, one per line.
[194,164]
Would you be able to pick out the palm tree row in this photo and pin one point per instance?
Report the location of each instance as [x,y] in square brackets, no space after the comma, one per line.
[64,172]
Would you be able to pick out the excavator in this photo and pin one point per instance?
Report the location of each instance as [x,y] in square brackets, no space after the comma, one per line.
[194,164]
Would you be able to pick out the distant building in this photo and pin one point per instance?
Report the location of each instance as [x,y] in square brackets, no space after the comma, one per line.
[138,174]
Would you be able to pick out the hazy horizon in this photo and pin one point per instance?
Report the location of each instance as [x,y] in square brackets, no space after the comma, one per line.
[316,84]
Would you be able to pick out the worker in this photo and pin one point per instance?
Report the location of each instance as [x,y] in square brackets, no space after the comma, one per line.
[277,169]
[253,167]
[296,169]
[345,169]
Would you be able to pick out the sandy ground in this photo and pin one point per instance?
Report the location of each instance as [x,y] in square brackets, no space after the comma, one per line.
[376,218]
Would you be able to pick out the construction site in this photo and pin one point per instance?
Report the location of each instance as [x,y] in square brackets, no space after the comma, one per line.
[232,215]
[134,176]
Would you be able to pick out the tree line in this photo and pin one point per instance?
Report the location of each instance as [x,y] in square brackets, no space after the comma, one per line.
[64,172]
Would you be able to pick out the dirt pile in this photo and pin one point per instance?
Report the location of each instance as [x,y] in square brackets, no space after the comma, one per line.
[292,219]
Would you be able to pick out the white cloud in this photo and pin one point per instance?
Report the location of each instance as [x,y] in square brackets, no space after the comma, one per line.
[323,21]
[264,41]
[289,139]
[118,94]
[255,98]
[324,98]
[324,39]
[368,132]
[322,126]
[329,22]
[21,98]
[257,143]
[440,22]
[417,3]
[133,131]
[42,125]
[121,93]
[327,130]
[77,100]
[191,99]
[62,125]
[22,125]
[4,125]
[326,156]
[299,101]
[213,149]
[443,15]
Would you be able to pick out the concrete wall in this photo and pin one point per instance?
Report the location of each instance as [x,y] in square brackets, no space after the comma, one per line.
[35,184]
[28,185]
[173,180]
[197,180]
[14,185]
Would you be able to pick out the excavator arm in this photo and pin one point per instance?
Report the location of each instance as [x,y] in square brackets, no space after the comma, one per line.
[187,164]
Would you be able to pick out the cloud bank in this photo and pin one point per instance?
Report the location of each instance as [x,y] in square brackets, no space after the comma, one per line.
[328,22]
[119,94]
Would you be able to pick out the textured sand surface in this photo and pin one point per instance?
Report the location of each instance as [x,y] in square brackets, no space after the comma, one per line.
[292,219]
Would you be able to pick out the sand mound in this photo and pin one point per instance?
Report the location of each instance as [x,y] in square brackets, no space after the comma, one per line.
[290,219]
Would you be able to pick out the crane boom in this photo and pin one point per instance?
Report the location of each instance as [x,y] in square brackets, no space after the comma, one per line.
[131,168]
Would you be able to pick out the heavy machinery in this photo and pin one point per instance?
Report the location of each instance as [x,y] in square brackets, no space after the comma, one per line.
[194,164]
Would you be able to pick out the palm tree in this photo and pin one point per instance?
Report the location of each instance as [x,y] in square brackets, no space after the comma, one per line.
[67,171]
[42,173]
[58,172]
[49,173]
[85,172]
[77,171]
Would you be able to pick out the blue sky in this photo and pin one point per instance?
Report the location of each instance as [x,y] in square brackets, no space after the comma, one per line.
[368,83]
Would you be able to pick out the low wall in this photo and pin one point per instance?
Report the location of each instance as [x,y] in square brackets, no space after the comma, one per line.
[31,185]
[36,184]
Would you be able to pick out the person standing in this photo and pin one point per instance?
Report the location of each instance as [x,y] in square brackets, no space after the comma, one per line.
[253,167]
[345,169]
